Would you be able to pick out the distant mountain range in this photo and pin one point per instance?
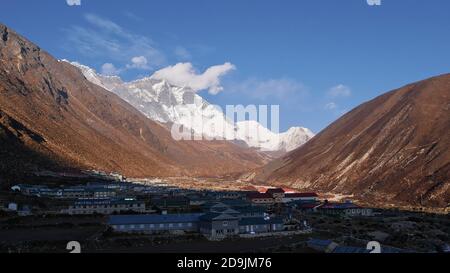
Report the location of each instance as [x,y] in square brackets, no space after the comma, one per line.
[169,104]
[51,116]
[394,149]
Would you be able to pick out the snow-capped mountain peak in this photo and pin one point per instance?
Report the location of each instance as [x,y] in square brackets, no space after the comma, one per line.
[166,103]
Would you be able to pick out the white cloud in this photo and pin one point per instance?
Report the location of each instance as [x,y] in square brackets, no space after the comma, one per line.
[331,106]
[184,74]
[108,69]
[138,62]
[103,38]
[73,2]
[339,91]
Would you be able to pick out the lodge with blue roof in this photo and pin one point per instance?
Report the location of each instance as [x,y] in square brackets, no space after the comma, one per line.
[154,223]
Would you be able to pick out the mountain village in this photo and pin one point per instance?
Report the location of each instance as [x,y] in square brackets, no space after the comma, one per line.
[152,208]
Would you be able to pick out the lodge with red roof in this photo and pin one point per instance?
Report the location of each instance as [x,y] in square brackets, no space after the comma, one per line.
[278,195]
[261,198]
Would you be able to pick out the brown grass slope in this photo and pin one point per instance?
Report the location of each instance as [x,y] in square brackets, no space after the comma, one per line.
[394,149]
[60,116]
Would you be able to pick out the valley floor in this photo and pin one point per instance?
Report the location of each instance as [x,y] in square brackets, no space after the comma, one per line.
[413,231]
[46,230]
[232,184]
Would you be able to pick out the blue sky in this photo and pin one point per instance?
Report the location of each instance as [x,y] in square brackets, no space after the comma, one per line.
[315,58]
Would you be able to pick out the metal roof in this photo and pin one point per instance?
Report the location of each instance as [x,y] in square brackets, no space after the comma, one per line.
[96,202]
[301,195]
[224,210]
[260,221]
[153,219]
[350,249]
[259,196]
[253,209]
[217,216]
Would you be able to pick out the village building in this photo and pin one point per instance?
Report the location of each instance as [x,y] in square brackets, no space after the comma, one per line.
[219,225]
[265,199]
[236,204]
[218,221]
[13,207]
[242,209]
[253,212]
[277,194]
[78,192]
[255,225]
[20,209]
[305,207]
[300,197]
[197,201]
[224,210]
[100,193]
[237,217]
[171,203]
[155,223]
[105,206]
[228,195]
[344,209]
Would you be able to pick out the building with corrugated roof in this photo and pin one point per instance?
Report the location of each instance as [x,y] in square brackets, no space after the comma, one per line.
[105,206]
[255,225]
[344,209]
[155,223]
[219,225]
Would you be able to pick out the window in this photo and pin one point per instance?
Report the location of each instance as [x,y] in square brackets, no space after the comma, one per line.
[152,226]
[225,223]
[180,225]
[170,225]
[161,225]
[189,224]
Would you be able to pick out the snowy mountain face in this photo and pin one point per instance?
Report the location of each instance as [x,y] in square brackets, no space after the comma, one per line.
[169,104]
[256,135]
